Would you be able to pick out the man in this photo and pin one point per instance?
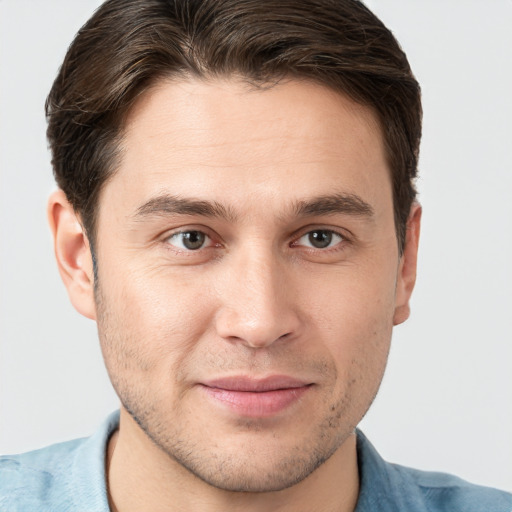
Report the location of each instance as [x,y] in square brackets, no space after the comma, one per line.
[237,212]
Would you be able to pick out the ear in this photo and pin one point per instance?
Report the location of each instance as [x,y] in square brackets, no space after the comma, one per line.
[73,254]
[407,267]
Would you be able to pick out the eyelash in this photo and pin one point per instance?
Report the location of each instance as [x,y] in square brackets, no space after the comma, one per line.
[331,232]
[340,245]
[185,251]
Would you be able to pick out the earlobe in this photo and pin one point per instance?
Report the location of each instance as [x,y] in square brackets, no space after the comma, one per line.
[73,255]
[407,268]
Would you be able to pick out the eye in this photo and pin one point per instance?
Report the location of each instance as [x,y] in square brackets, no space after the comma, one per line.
[320,239]
[189,240]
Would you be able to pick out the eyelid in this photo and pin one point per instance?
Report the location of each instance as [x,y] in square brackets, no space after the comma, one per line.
[185,249]
[345,234]
[214,239]
[333,234]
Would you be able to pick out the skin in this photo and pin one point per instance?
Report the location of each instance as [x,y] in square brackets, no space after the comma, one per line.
[258,299]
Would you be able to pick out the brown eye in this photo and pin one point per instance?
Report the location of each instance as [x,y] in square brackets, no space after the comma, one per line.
[320,239]
[188,240]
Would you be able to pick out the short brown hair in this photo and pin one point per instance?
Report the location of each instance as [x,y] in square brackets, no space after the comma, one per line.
[129,44]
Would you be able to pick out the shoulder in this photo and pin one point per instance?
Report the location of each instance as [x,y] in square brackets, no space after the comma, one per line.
[38,478]
[393,488]
[64,477]
[442,492]
[448,492]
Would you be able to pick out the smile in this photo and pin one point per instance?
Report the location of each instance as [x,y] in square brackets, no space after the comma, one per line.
[255,397]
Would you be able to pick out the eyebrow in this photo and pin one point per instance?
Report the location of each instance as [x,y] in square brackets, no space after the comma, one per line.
[348,204]
[164,205]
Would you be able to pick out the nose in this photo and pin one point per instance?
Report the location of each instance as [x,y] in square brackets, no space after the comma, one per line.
[257,302]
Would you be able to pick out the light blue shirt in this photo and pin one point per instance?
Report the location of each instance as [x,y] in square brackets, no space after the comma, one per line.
[70,477]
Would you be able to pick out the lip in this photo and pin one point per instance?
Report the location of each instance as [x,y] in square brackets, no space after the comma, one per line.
[252,397]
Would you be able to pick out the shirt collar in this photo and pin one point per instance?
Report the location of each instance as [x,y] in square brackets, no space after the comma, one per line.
[381,485]
[88,479]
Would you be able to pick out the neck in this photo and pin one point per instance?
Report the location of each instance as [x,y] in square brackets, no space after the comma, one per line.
[142,478]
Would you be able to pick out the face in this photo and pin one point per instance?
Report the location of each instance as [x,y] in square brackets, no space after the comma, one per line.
[248,276]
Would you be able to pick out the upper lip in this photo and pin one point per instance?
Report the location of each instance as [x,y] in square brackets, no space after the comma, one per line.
[246,383]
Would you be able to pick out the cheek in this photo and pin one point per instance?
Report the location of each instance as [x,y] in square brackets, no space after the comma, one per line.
[358,301]
[354,313]
[147,319]
[359,341]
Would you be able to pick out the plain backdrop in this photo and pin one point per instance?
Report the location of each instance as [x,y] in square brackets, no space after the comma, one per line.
[446,399]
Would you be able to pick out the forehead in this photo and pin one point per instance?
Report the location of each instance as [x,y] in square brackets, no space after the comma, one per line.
[228,140]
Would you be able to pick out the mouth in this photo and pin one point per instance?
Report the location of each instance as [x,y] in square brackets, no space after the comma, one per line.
[250,397]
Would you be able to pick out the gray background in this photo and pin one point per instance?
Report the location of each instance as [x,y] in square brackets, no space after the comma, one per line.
[446,400]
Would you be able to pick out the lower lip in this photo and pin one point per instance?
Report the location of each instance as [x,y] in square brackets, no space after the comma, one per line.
[256,404]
